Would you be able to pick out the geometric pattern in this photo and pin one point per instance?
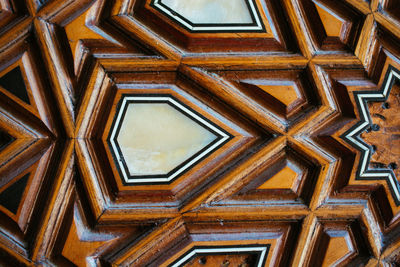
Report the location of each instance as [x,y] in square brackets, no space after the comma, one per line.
[352,136]
[286,94]
[260,251]
[11,197]
[213,32]
[291,181]
[27,115]
[220,137]
[337,244]
[5,139]
[200,243]
[14,83]
[255,25]
[330,26]
[290,177]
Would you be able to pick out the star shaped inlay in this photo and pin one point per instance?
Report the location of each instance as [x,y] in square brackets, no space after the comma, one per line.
[356,135]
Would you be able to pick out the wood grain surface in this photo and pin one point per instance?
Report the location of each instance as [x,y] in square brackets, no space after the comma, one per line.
[298,183]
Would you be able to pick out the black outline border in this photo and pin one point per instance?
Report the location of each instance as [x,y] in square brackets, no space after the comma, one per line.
[210,25]
[364,119]
[117,111]
[267,246]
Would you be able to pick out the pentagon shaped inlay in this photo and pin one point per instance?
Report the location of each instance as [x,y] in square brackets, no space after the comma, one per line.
[213,16]
[156,138]
[254,255]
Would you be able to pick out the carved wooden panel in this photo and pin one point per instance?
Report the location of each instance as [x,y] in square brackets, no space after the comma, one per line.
[199,133]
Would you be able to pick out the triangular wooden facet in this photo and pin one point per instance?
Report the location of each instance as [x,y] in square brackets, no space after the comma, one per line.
[285,94]
[5,139]
[337,249]
[332,24]
[11,197]
[284,179]
[77,30]
[13,82]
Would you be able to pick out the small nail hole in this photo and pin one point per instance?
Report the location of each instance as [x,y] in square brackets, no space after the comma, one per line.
[375,127]
[392,166]
[385,105]
[202,260]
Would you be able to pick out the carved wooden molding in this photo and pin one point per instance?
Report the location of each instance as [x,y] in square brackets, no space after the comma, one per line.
[294,103]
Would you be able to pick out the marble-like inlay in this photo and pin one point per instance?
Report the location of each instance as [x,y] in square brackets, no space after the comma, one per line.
[212,15]
[157,138]
[211,11]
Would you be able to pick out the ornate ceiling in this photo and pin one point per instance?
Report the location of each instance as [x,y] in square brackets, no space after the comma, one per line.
[291,108]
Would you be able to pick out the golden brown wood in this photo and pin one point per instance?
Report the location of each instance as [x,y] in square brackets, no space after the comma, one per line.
[384,132]
[289,181]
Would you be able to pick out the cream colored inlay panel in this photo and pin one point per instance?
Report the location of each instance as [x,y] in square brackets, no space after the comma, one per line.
[155,138]
[211,11]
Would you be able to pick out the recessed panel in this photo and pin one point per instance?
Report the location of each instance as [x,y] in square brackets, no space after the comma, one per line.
[212,15]
[11,197]
[211,11]
[211,256]
[156,138]
[14,83]
[5,140]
